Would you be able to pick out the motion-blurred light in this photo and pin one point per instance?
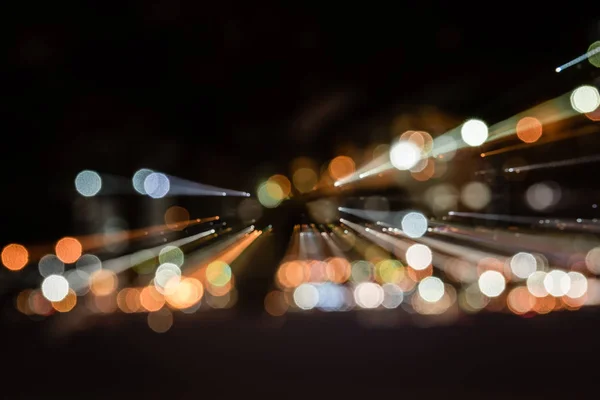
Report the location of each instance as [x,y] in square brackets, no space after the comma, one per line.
[474,132]
[444,148]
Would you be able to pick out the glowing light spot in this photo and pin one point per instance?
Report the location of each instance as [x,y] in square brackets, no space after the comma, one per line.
[594,59]
[543,195]
[103,282]
[338,270]
[431,289]
[520,301]
[492,283]
[218,273]
[171,254]
[306,296]
[368,295]
[275,303]
[305,179]
[341,167]
[68,250]
[187,293]
[331,297]
[474,132]
[579,285]
[15,257]
[535,284]
[157,185]
[88,263]
[404,155]
[557,283]
[592,260]
[419,256]
[167,277]
[414,224]
[269,194]
[161,320]
[529,129]
[138,180]
[362,271]
[67,303]
[523,264]
[283,183]
[88,183]
[393,296]
[55,288]
[476,195]
[50,265]
[177,218]
[585,99]
[151,299]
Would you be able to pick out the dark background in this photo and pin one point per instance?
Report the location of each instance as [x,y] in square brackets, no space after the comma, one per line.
[227,95]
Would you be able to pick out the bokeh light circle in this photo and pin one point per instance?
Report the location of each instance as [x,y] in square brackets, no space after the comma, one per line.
[529,129]
[414,224]
[404,155]
[157,185]
[585,99]
[88,183]
[55,287]
[15,256]
[474,132]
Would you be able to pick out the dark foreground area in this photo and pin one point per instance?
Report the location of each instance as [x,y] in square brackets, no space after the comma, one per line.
[303,356]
